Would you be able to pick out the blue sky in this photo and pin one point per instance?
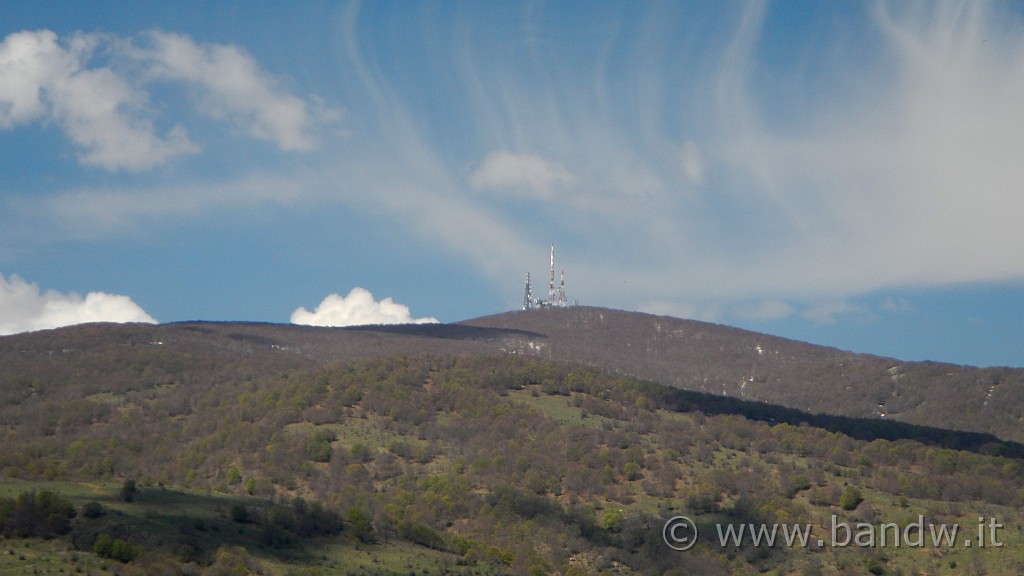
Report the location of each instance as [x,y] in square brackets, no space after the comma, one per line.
[844,173]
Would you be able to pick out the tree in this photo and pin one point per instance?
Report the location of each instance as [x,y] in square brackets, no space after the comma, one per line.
[318,446]
[129,490]
[120,550]
[611,520]
[632,471]
[795,484]
[44,515]
[124,551]
[234,476]
[93,509]
[103,546]
[851,498]
[240,513]
[360,526]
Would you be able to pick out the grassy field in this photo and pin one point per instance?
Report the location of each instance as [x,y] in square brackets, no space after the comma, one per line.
[159,516]
[18,557]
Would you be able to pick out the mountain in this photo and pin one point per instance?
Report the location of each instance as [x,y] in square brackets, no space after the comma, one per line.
[559,441]
[747,365]
[685,354]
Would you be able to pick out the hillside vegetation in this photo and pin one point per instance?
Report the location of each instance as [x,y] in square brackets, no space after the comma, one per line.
[685,354]
[747,365]
[217,449]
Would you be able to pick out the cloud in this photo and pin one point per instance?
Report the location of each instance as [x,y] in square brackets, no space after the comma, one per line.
[705,313]
[91,212]
[358,308]
[692,162]
[673,152]
[827,313]
[104,108]
[233,88]
[102,113]
[828,169]
[898,306]
[762,311]
[24,308]
[524,173]
[27,61]
[908,176]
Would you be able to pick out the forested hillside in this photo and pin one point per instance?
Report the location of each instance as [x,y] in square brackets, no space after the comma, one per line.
[228,448]
[728,361]
[685,354]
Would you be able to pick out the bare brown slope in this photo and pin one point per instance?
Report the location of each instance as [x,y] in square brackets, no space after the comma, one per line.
[718,359]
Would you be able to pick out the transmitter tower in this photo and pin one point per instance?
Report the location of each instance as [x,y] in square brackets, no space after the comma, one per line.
[556,294]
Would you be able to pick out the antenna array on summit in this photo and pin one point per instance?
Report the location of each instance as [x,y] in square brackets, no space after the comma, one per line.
[556,296]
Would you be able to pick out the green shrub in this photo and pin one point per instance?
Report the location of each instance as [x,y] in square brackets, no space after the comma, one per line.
[103,546]
[360,526]
[36,515]
[318,446]
[116,549]
[93,509]
[611,520]
[795,484]
[234,476]
[632,471]
[240,513]
[851,498]
[361,452]
[129,490]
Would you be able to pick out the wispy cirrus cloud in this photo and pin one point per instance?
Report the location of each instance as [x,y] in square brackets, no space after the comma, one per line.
[687,160]
[763,311]
[911,181]
[94,212]
[525,174]
[703,165]
[830,312]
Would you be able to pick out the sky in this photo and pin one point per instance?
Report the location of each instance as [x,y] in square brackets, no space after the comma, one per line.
[845,173]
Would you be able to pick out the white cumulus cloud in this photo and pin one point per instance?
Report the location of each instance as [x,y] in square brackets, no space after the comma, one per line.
[97,89]
[24,308]
[233,87]
[102,113]
[358,308]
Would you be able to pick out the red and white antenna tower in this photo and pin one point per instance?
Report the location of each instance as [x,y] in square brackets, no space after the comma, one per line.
[556,294]
[528,294]
[561,291]
[552,296]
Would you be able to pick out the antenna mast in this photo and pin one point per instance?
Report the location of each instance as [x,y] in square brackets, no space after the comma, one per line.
[527,294]
[561,291]
[552,297]
[556,293]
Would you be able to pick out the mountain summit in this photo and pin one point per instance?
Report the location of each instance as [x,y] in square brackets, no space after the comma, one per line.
[686,354]
[717,359]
